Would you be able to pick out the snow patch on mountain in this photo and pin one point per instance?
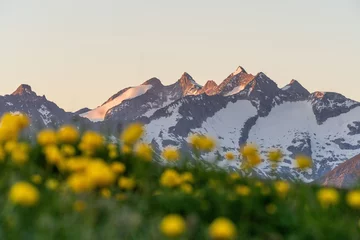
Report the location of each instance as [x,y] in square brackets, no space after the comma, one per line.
[236,90]
[227,124]
[300,133]
[153,109]
[98,114]
[158,129]
[45,114]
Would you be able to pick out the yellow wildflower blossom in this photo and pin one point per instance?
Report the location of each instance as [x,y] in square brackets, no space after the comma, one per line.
[171,154]
[132,134]
[222,229]
[24,194]
[172,225]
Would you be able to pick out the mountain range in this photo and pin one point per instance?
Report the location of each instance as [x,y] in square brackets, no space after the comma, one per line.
[243,108]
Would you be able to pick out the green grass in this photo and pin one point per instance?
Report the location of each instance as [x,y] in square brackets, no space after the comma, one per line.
[298,215]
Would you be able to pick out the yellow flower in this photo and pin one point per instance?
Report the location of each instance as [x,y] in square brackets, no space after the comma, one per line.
[171,154]
[105,192]
[53,154]
[10,146]
[229,156]
[22,120]
[282,188]
[24,194]
[303,161]
[79,206]
[20,155]
[170,178]
[144,151]
[222,229]
[100,174]
[126,183]
[113,154]
[132,134]
[271,208]
[327,197]
[207,144]
[68,134]
[249,150]
[2,154]
[253,160]
[11,125]
[79,183]
[353,199]
[77,164]
[46,137]
[68,150]
[8,133]
[242,190]
[126,149]
[234,176]
[187,177]
[186,188]
[118,167]
[275,155]
[111,147]
[37,179]
[52,184]
[91,142]
[202,143]
[172,225]
[194,141]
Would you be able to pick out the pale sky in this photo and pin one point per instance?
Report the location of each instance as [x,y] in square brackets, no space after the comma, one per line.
[80,52]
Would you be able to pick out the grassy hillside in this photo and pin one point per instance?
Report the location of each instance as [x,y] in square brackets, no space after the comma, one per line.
[72,186]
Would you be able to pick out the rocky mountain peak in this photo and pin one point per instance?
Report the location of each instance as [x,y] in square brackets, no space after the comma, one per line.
[209,88]
[238,70]
[153,81]
[188,85]
[24,89]
[294,87]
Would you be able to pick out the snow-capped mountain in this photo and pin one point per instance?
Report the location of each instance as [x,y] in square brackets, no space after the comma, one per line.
[290,118]
[43,113]
[158,96]
[241,109]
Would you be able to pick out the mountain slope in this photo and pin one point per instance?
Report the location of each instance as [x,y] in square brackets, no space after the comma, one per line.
[235,82]
[347,174]
[99,113]
[158,96]
[43,113]
[271,117]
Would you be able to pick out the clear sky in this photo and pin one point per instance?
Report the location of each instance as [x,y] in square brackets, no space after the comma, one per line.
[80,52]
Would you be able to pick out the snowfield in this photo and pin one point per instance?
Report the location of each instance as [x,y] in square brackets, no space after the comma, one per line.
[98,114]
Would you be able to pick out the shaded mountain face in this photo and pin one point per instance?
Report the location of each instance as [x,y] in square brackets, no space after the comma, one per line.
[244,108]
[235,82]
[81,111]
[43,113]
[347,174]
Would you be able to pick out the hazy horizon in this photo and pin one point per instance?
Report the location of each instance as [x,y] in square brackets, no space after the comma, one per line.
[80,53]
